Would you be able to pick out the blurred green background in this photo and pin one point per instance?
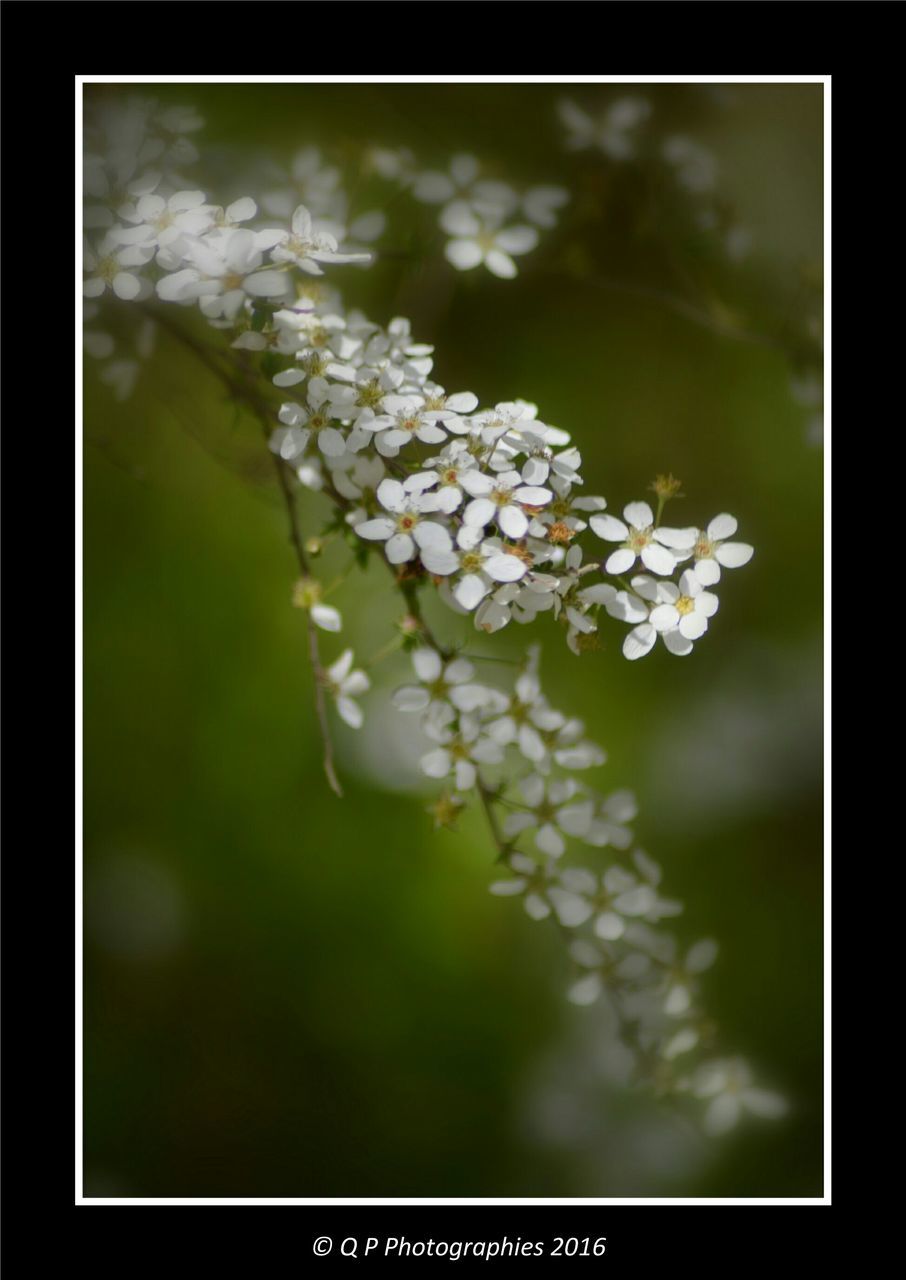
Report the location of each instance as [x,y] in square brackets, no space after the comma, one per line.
[291,995]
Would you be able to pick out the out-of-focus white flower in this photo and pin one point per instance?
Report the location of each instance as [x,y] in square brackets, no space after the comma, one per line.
[540,204]
[306,247]
[484,240]
[728,1089]
[344,685]
[224,271]
[528,715]
[530,881]
[307,595]
[612,133]
[435,187]
[461,748]
[694,165]
[445,684]
[158,222]
[108,266]
[555,808]
[681,978]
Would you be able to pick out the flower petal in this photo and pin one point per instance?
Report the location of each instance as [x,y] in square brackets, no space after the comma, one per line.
[722,526]
[639,641]
[732,555]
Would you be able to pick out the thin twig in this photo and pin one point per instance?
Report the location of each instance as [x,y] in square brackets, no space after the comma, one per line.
[237,387]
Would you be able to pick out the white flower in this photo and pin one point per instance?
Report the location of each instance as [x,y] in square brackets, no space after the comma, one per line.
[478,568]
[495,611]
[361,397]
[302,422]
[455,471]
[159,222]
[554,810]
[685,608]
[364,472]
[502,504]
[393,164]
[343,685]
[483,240]
[406,418]
[433,187]
[305,247]
[712,552]
[224,272]
[565,518]
[678,613]
[611,816]
[621,898]
[527,717]
[570,749]
[695,166]
[321,343]
[611,134]
[461,749]
[530,881]
[448,684]
[640,540]
[727,1086]
[241,210]
[407,531]
[681,980]
[571,896]
[540,204]
[107,267]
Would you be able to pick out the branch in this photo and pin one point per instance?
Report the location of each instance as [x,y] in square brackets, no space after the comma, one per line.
[238,388]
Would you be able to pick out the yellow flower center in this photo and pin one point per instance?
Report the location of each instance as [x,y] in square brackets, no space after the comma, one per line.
[370,395]
[311,290]
[108,268]
[315,365]
[559,531]
[306,592]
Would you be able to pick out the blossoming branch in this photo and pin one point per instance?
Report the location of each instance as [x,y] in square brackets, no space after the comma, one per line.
[483,507]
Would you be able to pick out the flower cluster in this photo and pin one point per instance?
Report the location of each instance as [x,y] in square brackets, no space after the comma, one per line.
[487,503]
[522,756]
[488,222]
[484,505]
[622,132]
